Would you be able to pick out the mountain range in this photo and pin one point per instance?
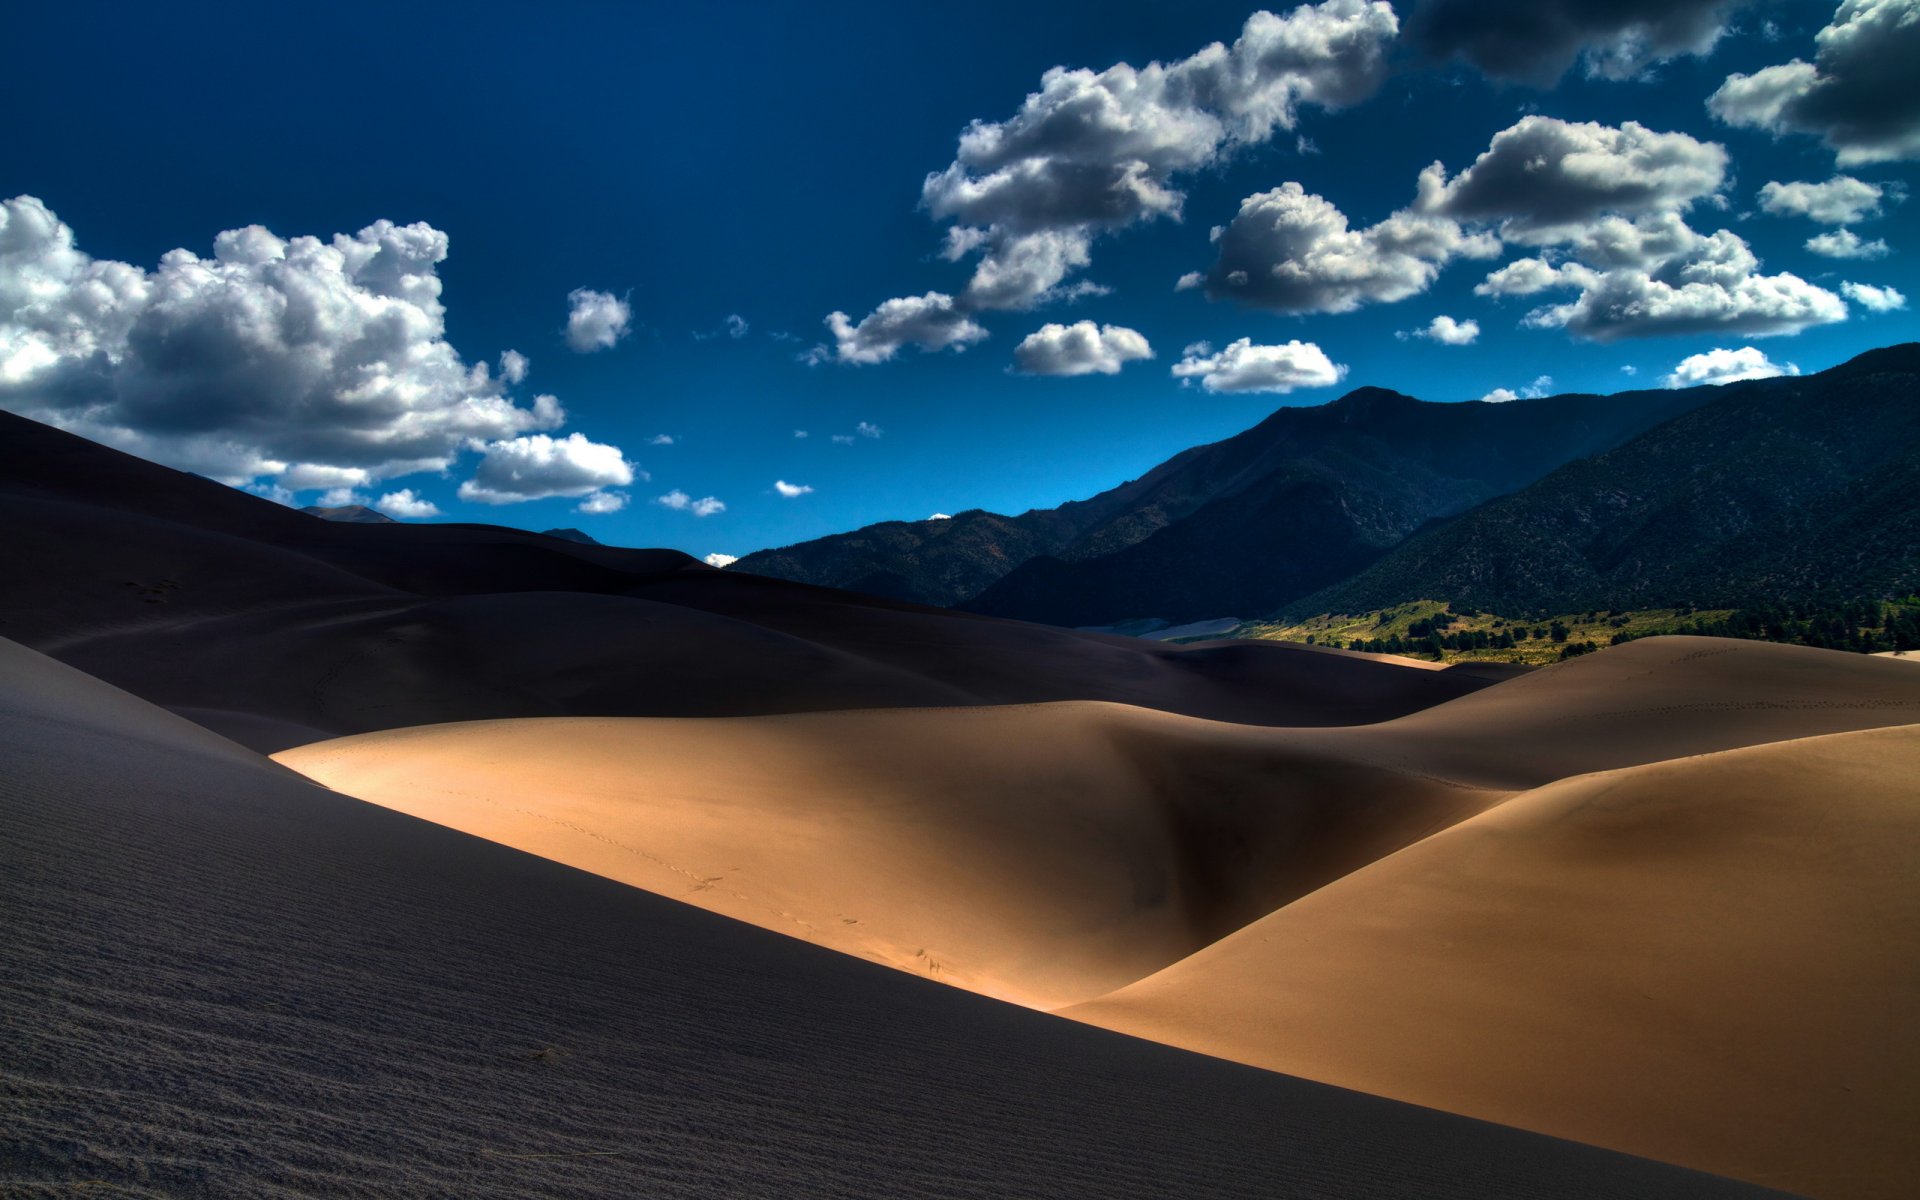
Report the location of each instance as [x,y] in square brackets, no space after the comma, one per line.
[1765,489]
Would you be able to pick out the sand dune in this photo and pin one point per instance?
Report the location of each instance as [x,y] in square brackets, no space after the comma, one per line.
[1713,962]
[217,979]
[1045,853]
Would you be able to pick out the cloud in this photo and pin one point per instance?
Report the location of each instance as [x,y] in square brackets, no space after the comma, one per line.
[1857,95]
[1082,348]
[405,505]
[1543,178]
[1541,385]
[596,504]
[679,501]
[736,326]
[941,517]
[660,439]
[1091,152]
[1655,276]
[340,497]
[867,429]
[1446,331]
[1717,367]
[1536,41]
[272,356]
[842,439]
[931,322]
[1288,250]
[595,320]
[1842,200]
[801,433]
[1845,243]
[790,490]
[538,467]
[1245,367]
[513,366]
[723,561]
[1874,299]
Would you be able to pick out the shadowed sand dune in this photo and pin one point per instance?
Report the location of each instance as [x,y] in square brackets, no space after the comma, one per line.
[277,628]
[220,980]
[1047,853]
[1714,961]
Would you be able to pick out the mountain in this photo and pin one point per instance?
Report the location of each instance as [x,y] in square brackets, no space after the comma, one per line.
[1236,527]
[1779,491]
[570,534]
[275,629]
[353,514]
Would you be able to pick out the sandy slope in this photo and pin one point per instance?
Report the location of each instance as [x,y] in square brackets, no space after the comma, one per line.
[1048,853]
[218,980]
[1713,961]
[1044,854]
[1051,853]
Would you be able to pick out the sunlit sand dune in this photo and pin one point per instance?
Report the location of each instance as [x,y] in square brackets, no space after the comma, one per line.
[1422,910]
[1714,961]
[224,981]
[1049,853]
[1043,854]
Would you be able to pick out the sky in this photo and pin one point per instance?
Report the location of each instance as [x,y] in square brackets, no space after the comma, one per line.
[730,276]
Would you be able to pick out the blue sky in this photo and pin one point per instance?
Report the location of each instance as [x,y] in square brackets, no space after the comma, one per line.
[770,163]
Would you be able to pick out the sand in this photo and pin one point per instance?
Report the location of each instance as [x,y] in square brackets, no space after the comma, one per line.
[1714,962]
[219,980]
[1048,854]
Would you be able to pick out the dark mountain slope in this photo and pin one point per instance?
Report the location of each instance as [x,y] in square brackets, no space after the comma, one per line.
[277,628]
[1355,476]
[1780,491]
[1312,495]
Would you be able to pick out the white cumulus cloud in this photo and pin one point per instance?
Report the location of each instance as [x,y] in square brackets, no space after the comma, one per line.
[679,501]
[537,467]
[1654,275]
[596,320]
[1289,250]
[1095,151]
[596,504]
[1447,331]
[1721,366]
[1244,367]
[1081,348]
[931,322]
[273,357]
[1874,299]
[1845,243]
[1539,387]
[1544,179]
[791,490]
[1842,200]
[406,505]
[1857,95]
[723,561]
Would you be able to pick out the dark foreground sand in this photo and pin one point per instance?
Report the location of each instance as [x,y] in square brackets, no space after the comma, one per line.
[220,980]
